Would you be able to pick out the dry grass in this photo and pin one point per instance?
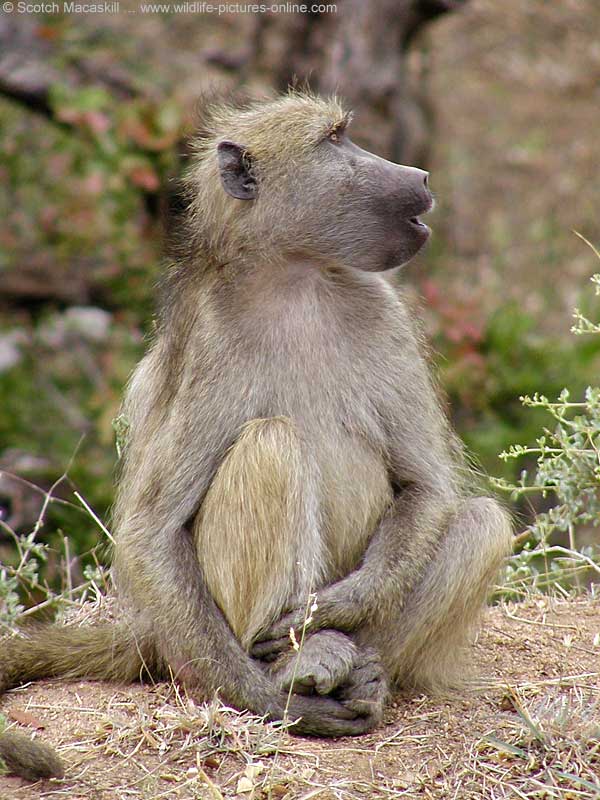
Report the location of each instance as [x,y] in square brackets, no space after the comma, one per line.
[554,749]
[531,730]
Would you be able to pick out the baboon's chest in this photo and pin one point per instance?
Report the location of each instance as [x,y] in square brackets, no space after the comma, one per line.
[332,381]
[333,408]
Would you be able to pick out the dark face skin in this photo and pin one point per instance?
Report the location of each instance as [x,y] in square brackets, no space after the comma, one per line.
[380,204]
[348,204]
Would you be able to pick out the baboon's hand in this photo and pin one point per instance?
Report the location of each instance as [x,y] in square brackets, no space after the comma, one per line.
[269,644]
[354,708]
[366,690]
[325,661]
[335,611]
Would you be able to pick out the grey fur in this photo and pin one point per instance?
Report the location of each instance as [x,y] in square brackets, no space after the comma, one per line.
[285,436]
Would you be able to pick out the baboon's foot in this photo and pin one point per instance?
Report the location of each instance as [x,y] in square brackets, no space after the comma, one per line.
[366,690]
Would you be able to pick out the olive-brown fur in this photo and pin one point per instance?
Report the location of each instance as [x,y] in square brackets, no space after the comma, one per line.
[29,758]
[286,438]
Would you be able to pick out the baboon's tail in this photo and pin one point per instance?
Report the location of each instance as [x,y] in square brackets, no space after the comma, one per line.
[28,758]
[96,652]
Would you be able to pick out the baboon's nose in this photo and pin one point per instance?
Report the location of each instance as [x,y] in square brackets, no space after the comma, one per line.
[419,180]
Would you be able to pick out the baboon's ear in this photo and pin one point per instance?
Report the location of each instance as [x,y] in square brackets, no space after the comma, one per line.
[235,168]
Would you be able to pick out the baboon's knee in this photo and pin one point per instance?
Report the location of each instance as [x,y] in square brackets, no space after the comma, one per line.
[489,529]
[257,515]
[477,541]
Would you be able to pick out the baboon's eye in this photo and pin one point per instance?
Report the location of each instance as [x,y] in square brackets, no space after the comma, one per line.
[336,133]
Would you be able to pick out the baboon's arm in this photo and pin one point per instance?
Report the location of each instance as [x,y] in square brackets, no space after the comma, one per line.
[195,641]
[393,564]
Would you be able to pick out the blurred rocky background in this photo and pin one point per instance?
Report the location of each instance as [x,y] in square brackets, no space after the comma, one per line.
[498,100]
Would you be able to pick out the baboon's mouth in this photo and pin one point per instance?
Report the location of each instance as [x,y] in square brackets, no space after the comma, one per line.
[423,210]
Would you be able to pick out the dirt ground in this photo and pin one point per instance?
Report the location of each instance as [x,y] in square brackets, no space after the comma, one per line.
[531,730]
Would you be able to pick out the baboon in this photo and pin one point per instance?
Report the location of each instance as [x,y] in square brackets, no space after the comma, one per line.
[285,438]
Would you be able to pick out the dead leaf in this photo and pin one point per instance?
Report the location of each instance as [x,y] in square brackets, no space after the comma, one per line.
[25,718]
[278,790]
[244,785]
[252,771]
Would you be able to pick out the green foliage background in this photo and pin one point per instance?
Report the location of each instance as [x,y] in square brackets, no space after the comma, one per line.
[80,205]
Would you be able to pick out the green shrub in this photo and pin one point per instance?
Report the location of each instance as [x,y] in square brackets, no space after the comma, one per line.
[566,475]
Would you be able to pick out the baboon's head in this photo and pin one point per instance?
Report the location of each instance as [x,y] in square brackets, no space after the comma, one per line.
[286,175]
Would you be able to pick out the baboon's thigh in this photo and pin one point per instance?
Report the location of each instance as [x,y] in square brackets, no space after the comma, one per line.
[423,643]
[257,535]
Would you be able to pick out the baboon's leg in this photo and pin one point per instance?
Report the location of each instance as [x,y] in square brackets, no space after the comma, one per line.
[423,644]
[260,516]
[257,533]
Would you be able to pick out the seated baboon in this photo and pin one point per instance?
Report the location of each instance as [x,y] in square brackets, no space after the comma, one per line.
[285,439]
